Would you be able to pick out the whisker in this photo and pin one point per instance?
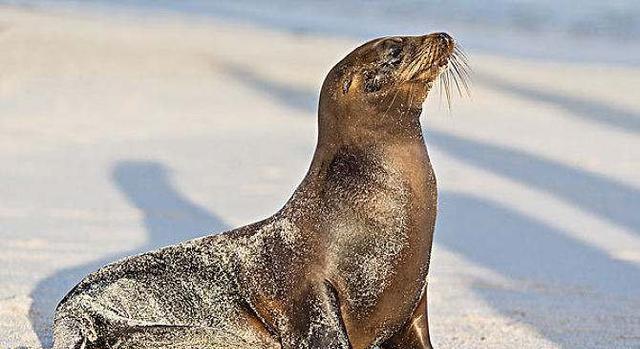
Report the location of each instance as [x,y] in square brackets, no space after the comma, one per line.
[460,77]
[456,74]
[466,70]
[458,50]
[409,71]
[424,56]
[454,77]
[411,97]
[447,87]
[463,61]
[464,67]
[440,88]
[391,104]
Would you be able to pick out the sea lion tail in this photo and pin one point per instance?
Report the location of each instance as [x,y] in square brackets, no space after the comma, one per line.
[68,334]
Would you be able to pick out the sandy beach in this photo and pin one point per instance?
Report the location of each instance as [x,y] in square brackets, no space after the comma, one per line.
[120,134]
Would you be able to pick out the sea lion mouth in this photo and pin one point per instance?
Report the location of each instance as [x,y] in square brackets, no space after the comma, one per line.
[441,58]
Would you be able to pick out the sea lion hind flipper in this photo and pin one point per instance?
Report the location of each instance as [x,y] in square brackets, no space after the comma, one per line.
[68,335]
[108,330]
[415,333]
[170,336]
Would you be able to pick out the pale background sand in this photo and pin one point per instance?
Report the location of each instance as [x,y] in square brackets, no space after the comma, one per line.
[118,135]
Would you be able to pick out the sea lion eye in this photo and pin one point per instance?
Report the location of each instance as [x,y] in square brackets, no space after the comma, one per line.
[372,81]
[393,56]
[395,51]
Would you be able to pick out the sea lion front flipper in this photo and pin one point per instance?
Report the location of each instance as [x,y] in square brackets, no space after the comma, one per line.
[317,322]
[415,333]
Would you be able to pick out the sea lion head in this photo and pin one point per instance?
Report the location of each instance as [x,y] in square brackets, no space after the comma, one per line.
[385,81]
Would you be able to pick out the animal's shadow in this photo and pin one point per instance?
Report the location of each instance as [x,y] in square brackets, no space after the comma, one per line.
[169,217]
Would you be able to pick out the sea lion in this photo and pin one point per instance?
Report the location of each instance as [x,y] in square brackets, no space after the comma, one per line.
[342,265]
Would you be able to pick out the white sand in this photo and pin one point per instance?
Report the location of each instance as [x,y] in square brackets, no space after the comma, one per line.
[118,135]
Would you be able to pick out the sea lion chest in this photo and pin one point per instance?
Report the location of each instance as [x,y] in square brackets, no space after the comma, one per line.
[379,237]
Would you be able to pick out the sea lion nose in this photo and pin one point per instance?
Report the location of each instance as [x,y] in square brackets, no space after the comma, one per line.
[440,39]
[444,37]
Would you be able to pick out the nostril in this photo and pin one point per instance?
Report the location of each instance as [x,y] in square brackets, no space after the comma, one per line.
[444,36]
[440,38]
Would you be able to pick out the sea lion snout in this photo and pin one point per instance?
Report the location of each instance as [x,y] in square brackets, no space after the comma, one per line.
[444,37]
[447,45]
[434,52]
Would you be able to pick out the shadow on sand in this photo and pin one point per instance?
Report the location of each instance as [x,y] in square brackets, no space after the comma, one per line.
[584,108]
[594,193]
[561,285]
[169,217]
[567,272]
[301,99]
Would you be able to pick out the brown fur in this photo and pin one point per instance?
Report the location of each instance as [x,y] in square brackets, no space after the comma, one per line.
[342,265]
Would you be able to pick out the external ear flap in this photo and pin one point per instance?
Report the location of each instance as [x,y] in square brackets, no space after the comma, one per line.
[346,84]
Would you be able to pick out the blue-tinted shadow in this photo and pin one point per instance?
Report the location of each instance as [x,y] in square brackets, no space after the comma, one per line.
[523,248]
[594,193]
[583,108]
[169,217]
[561,283]
[301,99]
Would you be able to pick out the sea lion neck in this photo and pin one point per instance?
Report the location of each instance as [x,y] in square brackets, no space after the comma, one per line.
[384,142]
[340,126]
